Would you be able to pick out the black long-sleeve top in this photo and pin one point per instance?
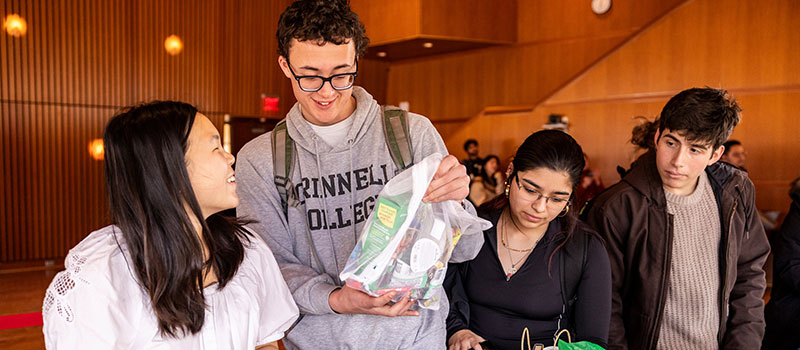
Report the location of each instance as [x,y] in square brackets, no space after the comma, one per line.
[498,310]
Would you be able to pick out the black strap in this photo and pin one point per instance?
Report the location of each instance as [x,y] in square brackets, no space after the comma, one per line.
[572,258]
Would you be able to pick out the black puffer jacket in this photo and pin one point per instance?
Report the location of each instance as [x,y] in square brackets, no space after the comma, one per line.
[783,310]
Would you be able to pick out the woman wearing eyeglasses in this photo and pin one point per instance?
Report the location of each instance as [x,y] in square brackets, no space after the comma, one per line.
[539,268]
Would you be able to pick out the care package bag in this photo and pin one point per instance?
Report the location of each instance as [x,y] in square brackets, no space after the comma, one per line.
[406,243]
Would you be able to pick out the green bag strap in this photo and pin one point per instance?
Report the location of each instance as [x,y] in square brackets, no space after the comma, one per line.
[283,154]
[395,127]
[572,265]
[283,158]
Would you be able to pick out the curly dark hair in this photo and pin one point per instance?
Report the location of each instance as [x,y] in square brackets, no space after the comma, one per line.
[643,135]
[320,21]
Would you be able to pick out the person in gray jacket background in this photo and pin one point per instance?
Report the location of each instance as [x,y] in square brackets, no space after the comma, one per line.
[341,163]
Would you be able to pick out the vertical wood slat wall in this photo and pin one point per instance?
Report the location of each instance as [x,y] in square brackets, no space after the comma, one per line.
[79,63]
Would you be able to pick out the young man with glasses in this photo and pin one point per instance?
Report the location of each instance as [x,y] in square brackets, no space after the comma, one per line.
[340,163]
[686,245]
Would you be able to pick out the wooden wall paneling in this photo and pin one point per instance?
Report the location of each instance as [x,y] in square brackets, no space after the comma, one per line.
[63,47]
[77,65]
[252,59]
[549,55]
[478,20]
[10,56]
[405,18]
[457,86]
[570,19]
[5,206]
[372,76]
[7,217]
[53,191]
[768,132]
[240,58]
[11,48]
[741,45]
[5,55]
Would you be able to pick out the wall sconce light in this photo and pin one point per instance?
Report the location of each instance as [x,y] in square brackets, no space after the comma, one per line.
[15,25]
[173,45]
[96,149]
[427,45]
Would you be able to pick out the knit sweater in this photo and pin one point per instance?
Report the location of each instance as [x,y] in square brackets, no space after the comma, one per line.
[691,314]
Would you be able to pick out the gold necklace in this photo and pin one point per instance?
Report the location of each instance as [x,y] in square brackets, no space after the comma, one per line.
[503,237]
[513,270]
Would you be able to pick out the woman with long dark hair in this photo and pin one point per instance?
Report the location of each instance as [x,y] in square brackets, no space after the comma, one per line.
[539,268]
[490,182]
[171,271]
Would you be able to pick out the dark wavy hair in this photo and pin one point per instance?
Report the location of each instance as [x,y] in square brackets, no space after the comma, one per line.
[701,114]
[557,151]
[643,134]
[489,180]
[321,21]
[149,190]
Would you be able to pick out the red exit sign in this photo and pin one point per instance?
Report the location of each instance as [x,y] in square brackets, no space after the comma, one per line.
[269,103]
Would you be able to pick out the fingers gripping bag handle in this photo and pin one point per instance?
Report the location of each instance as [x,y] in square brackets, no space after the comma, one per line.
[406,243]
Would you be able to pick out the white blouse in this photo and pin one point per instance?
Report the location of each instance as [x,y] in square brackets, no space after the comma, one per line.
[96,303]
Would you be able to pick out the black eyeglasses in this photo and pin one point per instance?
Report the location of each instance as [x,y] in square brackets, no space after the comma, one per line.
[312,83]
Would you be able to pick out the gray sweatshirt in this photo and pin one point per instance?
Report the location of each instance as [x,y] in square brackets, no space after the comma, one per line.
[337,187]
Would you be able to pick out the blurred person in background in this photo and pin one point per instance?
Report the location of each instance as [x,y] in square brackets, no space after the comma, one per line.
[489,184]
[734,154]
[473,162]
[783,310]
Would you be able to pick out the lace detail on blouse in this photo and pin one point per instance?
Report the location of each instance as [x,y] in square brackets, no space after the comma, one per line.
[63,284]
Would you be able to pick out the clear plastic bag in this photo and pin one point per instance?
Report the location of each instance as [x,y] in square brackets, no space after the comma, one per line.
[406,243]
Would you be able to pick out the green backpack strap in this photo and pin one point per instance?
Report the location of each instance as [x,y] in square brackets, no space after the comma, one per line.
[283,158]
[395,127]
[572,258]
[283,154]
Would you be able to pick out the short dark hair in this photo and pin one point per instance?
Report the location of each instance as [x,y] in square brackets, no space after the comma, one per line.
[701,114]
[149,191]
[470,142]
[730,143]
[320,21]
